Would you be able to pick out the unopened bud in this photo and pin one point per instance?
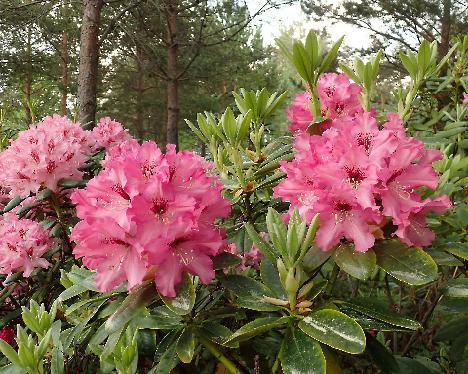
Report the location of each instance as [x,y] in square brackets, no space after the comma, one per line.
[291,284]
[304,304]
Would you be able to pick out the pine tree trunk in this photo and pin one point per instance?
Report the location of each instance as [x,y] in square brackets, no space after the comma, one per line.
[172,80]
[445,32]
[64,79]
[89,61]
[139,94]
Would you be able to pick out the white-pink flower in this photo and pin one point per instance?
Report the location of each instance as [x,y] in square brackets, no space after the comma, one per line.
[108,133]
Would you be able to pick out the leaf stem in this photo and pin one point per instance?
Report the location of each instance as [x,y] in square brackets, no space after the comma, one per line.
[228,364]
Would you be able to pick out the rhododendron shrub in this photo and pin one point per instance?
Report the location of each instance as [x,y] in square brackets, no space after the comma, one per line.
[149,214]
[360,176]
[281,256]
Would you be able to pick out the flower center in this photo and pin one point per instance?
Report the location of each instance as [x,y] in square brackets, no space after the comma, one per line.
[159,206]
[355,176]
[365,140]
[117,188]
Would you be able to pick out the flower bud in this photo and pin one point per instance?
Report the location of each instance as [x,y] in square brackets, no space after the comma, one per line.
[274,301]
[291,284]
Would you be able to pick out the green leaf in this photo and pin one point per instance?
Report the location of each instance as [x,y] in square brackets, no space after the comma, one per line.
[10,353]
[71,183]
[245,287]
[134,303]
[360,265]
[315,257]
[450,330]
[215,332]
[300,354]
[156,323]
[381,356]
[458,249]
[166,354]
[456,288]
[372,309]
[263,246]
[443,258]
[407,264]
[12,369]
[183,303]
[330,55]
[335,329]
[185,347]
[256,327]
[13,203]
[270,277]
[229,125]
[225,260]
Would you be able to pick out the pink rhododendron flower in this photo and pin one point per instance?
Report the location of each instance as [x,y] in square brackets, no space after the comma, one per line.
[465,98]
[8,334]
[42,155]
[358,176]
[148,213]
[108,133]
[23,242]
[299,114]
[339,98]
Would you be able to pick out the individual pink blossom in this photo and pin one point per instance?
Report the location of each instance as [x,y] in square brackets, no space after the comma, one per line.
[23,242]
[465,98]
[108,133]
[251,258]
[299,114]
[42,155]
[359,176]
[8,335]
[148,213]
[339,98]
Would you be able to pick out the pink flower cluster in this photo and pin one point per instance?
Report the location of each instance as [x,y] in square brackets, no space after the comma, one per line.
[360,177]
[338,98]
[23,242]
[251,258]
[149,214]
[108,133]
[42,155]
[51,150]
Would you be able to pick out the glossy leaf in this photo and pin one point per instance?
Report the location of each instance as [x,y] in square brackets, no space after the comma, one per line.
[407,264]
[360,265]
[185,347]
[225,260]
[256,327]
[315,257]
[381,356]
[335,329]
[183,303]
[458,249]
[300,354]
[133,304]
[371,309]
[456,288]
[270,278]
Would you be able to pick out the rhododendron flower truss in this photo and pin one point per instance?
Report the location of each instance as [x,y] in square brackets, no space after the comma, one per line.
[339,98]
[148,213]
[360,177]
[23,242]
[108,133]
[42,155]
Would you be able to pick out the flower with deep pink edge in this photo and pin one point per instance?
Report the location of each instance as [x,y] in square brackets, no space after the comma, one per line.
[149,214]
[42,155]
[108,133]
[23,242]
[359,176]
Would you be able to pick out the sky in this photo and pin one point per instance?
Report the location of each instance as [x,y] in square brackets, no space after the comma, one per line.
[287,15]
